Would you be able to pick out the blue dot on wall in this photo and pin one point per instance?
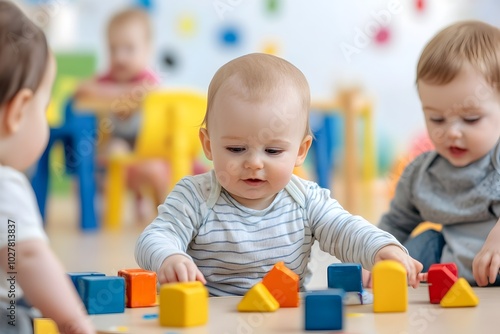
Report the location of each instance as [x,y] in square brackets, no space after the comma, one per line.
[146,4]
[230,36]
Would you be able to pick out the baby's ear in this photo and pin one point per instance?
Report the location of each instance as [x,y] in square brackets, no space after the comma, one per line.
[303,150]
[205,143]
[13,111]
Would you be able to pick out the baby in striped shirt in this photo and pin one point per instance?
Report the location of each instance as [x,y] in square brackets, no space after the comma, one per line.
[228,227]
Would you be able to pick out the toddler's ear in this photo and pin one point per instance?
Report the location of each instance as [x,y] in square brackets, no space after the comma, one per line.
[303,149]
[205,143]
[13,111]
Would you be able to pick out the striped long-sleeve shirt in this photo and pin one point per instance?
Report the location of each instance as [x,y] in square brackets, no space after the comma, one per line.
[234,246]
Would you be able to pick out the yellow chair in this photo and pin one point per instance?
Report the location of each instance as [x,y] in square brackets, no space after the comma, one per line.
[169,131]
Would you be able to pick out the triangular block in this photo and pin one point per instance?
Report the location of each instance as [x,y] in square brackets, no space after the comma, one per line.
[258,299]
[460,295]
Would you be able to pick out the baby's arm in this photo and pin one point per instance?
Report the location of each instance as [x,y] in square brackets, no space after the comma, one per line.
[47,287]
[162,246]
[486,264]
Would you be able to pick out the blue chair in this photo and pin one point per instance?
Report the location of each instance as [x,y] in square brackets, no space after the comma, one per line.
[326,130]
[77,134]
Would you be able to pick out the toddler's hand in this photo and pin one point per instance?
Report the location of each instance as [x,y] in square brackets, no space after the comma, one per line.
[179,268]
[77,327]
[412,266]
[486,263]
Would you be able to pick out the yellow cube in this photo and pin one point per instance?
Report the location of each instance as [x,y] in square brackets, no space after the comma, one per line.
[183,304]
[44,326]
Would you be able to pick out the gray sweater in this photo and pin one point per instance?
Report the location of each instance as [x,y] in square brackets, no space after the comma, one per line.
[466,200]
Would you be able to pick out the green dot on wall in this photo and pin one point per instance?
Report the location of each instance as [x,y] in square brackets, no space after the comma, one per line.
[273,6]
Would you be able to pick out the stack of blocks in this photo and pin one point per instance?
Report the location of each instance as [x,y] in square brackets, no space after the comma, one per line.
[447,289]
[279,288]
[183,304]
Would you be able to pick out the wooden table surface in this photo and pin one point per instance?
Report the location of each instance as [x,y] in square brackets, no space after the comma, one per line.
[421,317]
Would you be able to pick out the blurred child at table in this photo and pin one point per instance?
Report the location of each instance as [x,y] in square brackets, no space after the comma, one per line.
[121,91]
[228,227]
[458,183]
[27,70]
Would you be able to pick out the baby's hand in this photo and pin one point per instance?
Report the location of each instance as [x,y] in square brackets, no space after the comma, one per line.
[412,266]
[179,268]
[487,262]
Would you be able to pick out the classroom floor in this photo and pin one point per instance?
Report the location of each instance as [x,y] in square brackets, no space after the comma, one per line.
[109,252]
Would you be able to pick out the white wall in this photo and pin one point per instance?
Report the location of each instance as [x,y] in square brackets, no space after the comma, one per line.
[310,34]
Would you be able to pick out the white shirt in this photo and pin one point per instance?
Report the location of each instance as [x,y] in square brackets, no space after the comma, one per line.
[234,246]
[18,212]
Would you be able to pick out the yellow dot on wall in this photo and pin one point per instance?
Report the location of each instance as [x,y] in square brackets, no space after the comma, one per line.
[186,25]
[270,48]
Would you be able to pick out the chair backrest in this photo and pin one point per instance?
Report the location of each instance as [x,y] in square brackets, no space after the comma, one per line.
[169,130]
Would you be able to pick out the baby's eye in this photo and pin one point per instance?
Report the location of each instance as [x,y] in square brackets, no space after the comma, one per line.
[472,120]
[274,151]
[436,120]
[235,149]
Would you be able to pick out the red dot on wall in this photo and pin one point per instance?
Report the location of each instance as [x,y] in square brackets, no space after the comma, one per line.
[420,5]
[382,36]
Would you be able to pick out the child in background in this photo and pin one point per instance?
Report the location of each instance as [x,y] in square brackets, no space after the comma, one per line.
[228,227]
[458,184]
[122,90]
[27,70]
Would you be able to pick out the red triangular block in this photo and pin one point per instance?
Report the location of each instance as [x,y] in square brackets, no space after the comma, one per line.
[440,280]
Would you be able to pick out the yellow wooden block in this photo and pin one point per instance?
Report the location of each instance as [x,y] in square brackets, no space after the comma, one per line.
[183,304]
[44,326]
[460,295]
[390,290]
[258,299]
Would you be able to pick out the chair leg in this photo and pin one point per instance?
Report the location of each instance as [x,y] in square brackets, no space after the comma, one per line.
[40,180]
[85,169]
[115,190]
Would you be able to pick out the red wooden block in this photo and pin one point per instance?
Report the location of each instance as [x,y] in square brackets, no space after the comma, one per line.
[440,280]
[452,267]
[140,286]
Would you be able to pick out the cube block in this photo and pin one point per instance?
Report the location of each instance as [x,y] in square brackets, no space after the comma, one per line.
[102,294]
[76,275]
[345,276]
[183,304]
[140,287]
[324,310]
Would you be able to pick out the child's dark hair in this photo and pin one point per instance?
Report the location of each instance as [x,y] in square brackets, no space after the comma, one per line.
[23,52]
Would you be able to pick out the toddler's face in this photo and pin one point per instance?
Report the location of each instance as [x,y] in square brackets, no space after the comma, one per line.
[255,145]
[462,117]
[129,50]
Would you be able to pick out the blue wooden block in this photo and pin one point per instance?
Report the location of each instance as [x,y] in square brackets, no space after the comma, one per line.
[324,309]
[75,276]
[102,294]
[345,276]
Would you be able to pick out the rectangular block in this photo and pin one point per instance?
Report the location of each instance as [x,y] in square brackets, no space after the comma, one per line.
[345,276]
[140,287]
[324,309]
[44,326]
[102,294]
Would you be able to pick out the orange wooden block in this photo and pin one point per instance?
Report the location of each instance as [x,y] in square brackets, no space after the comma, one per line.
[283,285]
[140,287]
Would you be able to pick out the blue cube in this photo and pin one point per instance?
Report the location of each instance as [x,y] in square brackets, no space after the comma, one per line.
[324,309]
[345,276]
[75,276]
[102,294]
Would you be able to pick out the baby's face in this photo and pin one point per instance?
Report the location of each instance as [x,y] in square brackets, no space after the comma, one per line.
[129,50]
[255,145]
[462,117]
